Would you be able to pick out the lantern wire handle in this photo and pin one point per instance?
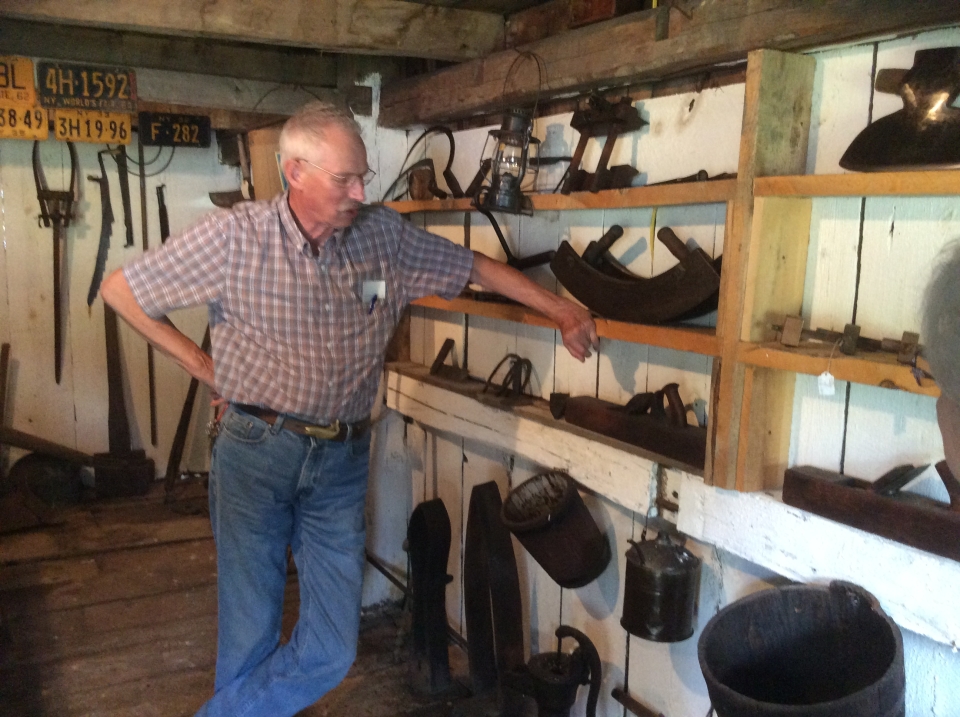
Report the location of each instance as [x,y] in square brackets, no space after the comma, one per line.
[541,76]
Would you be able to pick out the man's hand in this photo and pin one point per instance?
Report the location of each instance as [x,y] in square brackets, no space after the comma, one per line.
[578,330]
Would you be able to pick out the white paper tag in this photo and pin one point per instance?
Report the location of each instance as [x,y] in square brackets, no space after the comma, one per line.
[825,384]
[373,288]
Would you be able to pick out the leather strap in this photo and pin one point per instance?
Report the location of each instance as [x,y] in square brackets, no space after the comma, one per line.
[337,431]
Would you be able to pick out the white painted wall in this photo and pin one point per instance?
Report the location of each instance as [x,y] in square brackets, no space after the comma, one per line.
[867,431]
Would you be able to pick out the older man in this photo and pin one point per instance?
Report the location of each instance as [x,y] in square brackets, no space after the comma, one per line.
[303,293]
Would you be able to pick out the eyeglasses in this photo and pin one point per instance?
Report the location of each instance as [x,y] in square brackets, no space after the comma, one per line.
[345,180]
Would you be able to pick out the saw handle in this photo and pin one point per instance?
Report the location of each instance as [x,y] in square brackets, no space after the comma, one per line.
[674,243]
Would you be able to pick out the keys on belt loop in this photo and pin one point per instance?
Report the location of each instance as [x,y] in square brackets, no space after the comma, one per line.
[325,433]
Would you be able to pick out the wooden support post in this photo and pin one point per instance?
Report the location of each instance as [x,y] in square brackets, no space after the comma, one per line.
[776,121]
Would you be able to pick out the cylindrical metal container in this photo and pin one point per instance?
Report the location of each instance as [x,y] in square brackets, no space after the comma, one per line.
[661,590]
[804,651]
[550,520]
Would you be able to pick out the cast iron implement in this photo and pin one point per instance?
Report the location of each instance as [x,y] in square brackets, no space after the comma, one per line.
[881,507]
[120,157]
[925,134]
[603,285]
[122,471]
[510,390]
[553,678]
[661,590]
[173,493]
[548,517]
[643,422]
[106,229]
[56,207]
[428,538]
[491,606]
[598,118]
[439,368]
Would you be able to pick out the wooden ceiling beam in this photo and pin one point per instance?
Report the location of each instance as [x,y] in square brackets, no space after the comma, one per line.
[625,50]
[383,27]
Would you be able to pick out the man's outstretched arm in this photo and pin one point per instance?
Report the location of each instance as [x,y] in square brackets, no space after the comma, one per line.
[577,327]
[164,336]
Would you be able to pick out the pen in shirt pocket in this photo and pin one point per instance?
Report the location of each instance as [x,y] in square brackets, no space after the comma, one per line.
[373,302]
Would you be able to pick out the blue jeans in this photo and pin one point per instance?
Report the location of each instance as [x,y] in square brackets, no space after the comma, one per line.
[270,488]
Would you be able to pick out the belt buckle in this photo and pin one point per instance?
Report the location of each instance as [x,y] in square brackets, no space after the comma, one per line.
[325,433]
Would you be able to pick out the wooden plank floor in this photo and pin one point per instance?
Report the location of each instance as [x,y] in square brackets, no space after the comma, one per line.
[113,613]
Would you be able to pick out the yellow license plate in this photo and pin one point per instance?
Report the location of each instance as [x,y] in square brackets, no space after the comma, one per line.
[18,122]
[16,81]
[88,126]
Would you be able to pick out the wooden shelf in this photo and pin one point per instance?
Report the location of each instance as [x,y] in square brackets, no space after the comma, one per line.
[708,192]
[682,338]
[871,369]
[933,183]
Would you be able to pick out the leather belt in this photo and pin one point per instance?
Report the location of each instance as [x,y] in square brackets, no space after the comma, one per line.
[336,431]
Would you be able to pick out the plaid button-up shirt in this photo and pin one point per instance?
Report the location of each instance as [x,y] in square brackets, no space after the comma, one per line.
[291,331]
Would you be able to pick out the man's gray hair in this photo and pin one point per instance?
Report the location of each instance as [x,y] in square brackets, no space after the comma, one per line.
[941,321]
[306,128]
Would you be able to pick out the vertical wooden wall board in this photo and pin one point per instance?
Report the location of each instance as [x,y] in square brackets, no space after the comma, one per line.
[488,342]
[621,370]
[558,139]
[438,326]
[841,96]
[773,141]
[483,237]
[6,176]
[901,240]
[541,596]
[573,377]
[415,440]
[264,144]
[448,478]
[888,428]
[539,233]
[536,234]
[689,132]
[37,404]
[764,449]
[86,329]
[418,330]
[831,275]
[389,503]
[777,264]
[595,609]
[385,155]
[817,424]
[932,676]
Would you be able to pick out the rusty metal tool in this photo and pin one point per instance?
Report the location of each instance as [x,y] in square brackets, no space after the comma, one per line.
[162,212]
[122,471]
[183,426]
[428,538]
[881,507]
[120,156]
[512,260]
[644,422]
[606,287]
[106,228]
[144,225]
[792,334]
[598,118]
[925,134]
[56,208]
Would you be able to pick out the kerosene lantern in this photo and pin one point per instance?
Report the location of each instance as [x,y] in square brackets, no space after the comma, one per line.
[513,148]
